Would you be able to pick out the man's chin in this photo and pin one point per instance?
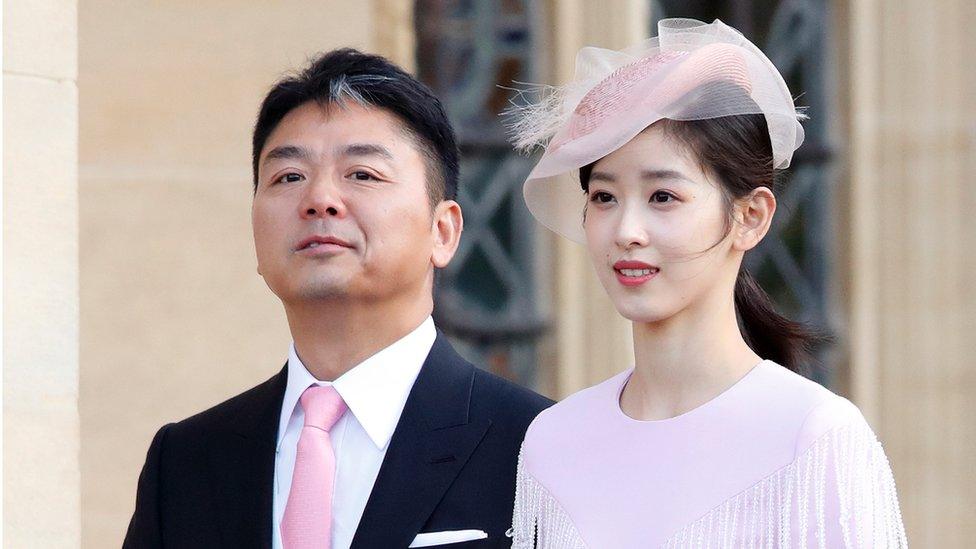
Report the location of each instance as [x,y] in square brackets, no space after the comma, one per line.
[323,288]
[318,292]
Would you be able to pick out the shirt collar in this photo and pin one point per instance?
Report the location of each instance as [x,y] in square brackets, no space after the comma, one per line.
[375,390]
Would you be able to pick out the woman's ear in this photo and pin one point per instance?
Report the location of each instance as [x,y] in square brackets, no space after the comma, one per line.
[447,227]
[753,216]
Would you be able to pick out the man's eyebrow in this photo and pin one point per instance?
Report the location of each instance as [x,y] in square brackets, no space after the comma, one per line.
[366,149]
[287,152]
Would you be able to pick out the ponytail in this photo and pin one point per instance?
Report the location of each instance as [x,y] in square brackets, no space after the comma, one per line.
[770,334]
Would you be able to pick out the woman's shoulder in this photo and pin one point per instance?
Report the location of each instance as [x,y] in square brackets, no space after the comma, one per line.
[580,408]
[815,411]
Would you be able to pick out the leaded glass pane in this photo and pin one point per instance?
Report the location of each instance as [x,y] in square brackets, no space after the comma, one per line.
[470,53]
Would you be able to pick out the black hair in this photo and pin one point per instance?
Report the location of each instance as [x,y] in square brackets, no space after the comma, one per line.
[372,80]
[737,151]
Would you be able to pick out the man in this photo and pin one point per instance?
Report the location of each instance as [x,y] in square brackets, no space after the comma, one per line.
[375,434]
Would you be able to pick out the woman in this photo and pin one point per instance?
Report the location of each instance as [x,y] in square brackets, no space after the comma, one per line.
[712,439]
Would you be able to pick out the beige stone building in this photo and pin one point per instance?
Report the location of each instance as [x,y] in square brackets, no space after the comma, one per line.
[131,297]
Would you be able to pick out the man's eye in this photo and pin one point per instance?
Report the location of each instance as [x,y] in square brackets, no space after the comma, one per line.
[662,197]
[289,178]
[362,176]
[601,197]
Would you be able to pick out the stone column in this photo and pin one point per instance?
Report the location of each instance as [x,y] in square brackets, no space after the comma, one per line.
[912,268]
[41,496]
[394,36]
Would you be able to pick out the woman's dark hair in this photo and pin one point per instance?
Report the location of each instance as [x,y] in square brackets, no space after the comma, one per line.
[737,151]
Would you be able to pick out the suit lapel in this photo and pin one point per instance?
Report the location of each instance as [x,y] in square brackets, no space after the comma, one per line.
[242,460]
[433,440]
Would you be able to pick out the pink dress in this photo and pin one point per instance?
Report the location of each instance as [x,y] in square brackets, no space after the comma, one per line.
[774,461]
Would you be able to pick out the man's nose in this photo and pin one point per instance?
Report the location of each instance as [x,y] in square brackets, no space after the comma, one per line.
[322,199]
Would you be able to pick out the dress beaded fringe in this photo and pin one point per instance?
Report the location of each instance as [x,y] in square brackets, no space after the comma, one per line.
[839,489]
[539,521]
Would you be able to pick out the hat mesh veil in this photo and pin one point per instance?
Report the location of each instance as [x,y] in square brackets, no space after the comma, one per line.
[690,71]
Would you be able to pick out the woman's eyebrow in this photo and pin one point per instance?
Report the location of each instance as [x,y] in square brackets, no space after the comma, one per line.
[662,174]
[646,175]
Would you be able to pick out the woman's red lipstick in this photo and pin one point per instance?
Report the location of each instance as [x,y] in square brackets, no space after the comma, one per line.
[634,273]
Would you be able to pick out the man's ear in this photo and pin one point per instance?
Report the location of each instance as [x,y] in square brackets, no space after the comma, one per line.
[753,216]
[447,226]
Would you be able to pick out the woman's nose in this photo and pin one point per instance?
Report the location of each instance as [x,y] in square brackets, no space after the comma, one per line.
[631,232]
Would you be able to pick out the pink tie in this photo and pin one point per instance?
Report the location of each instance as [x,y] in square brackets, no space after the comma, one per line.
[307,523]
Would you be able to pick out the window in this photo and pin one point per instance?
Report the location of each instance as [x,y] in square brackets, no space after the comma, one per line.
[469,53]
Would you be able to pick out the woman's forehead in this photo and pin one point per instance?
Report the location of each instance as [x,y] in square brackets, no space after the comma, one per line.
[651,155]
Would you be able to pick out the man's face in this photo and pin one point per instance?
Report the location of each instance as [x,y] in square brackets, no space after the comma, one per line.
[341,209]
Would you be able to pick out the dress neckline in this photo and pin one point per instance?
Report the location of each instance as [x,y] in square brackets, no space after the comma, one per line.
[685,415]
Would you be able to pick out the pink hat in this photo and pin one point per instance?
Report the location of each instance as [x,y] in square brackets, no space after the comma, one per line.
[617,94]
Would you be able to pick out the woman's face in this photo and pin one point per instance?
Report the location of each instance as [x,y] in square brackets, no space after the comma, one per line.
[656,228]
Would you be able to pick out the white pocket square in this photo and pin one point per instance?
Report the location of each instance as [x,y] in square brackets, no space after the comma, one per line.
[430,539]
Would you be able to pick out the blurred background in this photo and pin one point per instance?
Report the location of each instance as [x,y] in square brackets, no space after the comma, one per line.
[131,293]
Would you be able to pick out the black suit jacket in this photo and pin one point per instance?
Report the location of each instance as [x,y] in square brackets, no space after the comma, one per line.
[207,481]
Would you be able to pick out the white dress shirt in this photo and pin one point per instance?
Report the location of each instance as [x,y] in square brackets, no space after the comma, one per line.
[375,392]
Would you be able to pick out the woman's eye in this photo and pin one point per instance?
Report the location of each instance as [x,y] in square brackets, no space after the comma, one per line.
[661,197]
[289,178]
[601,197]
